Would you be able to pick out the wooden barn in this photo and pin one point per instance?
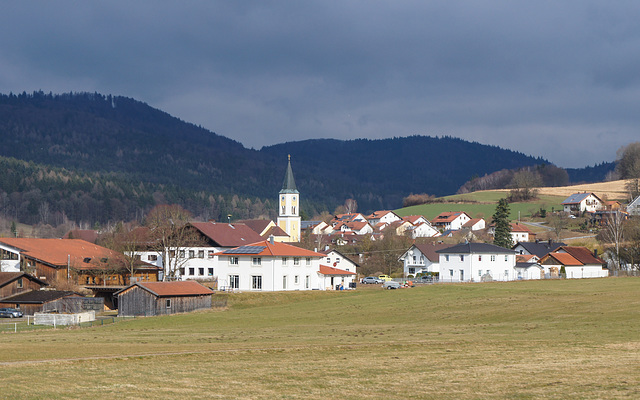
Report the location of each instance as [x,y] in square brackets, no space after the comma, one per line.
[161,298]
[39,301]
[12,283]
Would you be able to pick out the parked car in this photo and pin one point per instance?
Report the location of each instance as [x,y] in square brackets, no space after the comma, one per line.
[426,278]
[384,278]
[371,279]
[10,313]
[391,285]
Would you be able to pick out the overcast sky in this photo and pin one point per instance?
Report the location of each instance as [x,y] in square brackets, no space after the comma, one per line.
[557,79]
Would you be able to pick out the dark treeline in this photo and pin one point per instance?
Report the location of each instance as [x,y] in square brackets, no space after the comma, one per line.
[93,158]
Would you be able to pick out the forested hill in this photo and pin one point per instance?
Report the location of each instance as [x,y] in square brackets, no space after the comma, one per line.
[96,158]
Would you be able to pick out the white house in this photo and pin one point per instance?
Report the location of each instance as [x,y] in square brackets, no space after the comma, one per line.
[529,270]
[475,224]
[578,203]
[385,217]
[520,233]
[422,229]
[578,262]
[422,258]
[634,207]
[475,262]
[332,278]
[453,220]
[269,266]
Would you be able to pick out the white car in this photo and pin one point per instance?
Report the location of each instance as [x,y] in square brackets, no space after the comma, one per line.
[391,285]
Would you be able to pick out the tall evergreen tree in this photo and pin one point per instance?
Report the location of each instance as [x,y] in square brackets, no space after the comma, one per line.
[502,235]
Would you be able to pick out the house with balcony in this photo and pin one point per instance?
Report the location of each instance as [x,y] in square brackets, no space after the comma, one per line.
[422,258]
[579,203]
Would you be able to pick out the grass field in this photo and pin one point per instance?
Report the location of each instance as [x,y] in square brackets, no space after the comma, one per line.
[522,340]
[483,204]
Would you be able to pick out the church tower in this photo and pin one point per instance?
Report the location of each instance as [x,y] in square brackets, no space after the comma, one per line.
[289,206]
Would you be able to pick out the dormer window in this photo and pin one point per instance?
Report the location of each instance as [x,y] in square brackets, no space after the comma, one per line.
[87,260]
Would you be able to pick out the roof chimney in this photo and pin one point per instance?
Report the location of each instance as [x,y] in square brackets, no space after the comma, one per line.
[271,239]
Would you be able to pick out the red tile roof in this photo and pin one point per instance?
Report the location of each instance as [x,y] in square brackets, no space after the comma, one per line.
[178,288]
[273,249]
[564,258]
[582,254]
[324,270]
[78,253]
[258,225]
[516,227]
[447,216]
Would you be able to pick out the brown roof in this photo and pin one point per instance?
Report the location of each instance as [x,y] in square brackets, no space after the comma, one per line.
[78,253]
[429,250]
[516,227]
[582,254]
[275,231]
[7,277]
[471,222]
[228,235]
[324,270]
[169,289]
[447,216]
[38,296]
[258,225]
[412,218]
[88,235]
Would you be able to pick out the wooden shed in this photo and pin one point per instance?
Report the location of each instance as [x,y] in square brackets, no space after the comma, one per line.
[39,301]
[161,298]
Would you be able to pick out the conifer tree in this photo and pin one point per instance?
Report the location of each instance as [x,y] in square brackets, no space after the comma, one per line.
[502,235]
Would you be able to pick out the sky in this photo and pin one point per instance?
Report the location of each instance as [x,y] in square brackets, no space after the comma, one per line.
[555,79]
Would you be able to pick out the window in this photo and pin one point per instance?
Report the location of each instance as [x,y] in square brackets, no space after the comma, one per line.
[201,271]
[284,282]
[446,258]
[307,282]
[328,260]
[493,257]
[296,279]
[192,253]
[337,260]
[506,257]
[451,273]
[234,281]
[412,271]
[296,260]
[152,257]
[415,258]
[256,282]
[192,271]
[480,258]
[210,271]
[200,253]
[308,260]
[211,253]
[284,260]
[181,253]
[461,258]
[257,261]
[233,260]
[168,303]
[479,272]
[19,283]
[172,253]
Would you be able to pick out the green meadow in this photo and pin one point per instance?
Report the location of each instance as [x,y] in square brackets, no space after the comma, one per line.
[483,204]
[555,339]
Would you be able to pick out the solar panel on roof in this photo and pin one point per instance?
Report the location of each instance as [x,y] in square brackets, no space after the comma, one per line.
[246,250]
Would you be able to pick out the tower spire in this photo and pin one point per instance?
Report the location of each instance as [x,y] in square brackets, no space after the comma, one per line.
[289,184]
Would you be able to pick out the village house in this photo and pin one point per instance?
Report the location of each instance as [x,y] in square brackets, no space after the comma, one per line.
[520,233]
[269,266]
[579,203]
[313,227]
[578,262]
[452,220]
[71,260]
[538,248]
[476,262]
[633,208]
[382,217]
[422,258]
[475,224]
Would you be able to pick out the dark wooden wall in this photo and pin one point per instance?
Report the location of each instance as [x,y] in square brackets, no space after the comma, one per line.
[139,302]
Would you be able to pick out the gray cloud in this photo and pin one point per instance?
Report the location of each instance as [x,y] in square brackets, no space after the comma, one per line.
[553,79]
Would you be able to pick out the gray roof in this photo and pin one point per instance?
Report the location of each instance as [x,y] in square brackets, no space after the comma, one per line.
[289,185]
[38,296]
[474,248]
[577,198]
[539,249]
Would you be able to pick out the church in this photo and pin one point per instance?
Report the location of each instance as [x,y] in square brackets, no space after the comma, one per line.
[289,206]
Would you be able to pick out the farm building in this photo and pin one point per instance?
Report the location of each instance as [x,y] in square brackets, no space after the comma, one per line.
[44,301]
[161,298]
